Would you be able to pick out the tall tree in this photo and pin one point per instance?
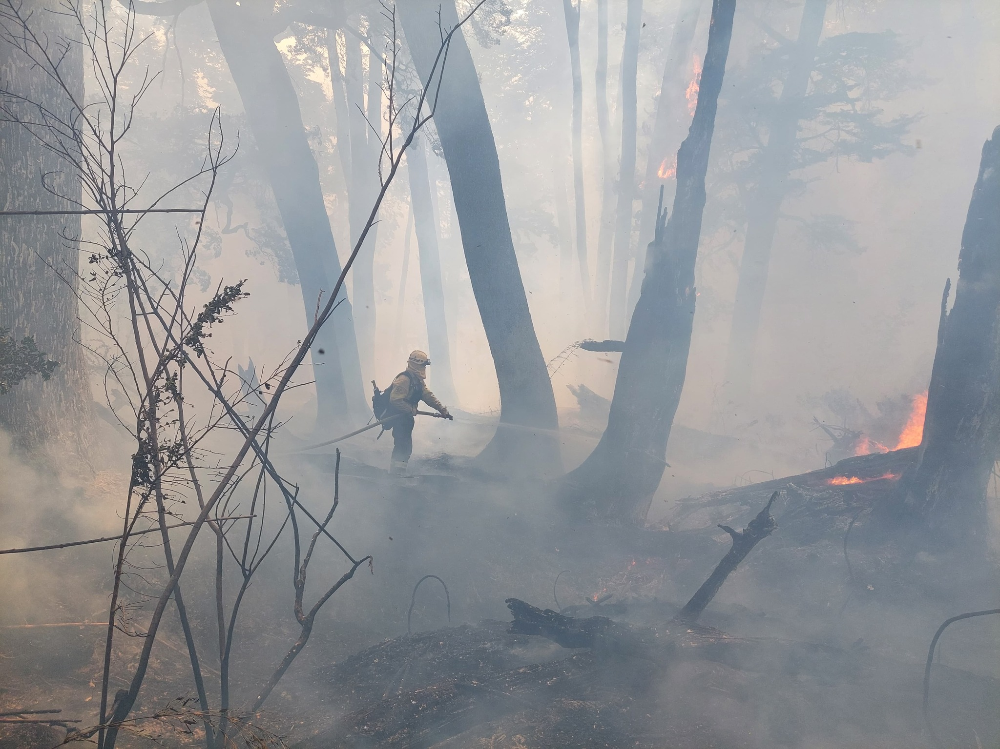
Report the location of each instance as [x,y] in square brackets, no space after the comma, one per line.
[526,438]
[961,439]
[765,203]
[626,168]
[671,116]
[572,14]
[365,119]
[617,481]
[39,255]
[430,269]
[598,318]
[272,108]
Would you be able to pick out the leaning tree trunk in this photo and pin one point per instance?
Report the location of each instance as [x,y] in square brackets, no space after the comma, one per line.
[365,147]
[573,35]
[626,169]
[671,116]
[34,301]
[430,270]
[598,316]
[616,482]
[526,438]
[765,205]
[273,113]
[961,441]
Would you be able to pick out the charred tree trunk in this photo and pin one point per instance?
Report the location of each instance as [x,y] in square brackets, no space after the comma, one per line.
[573,35]
[365,146]
[430,270]
[34,300]
[765,205]
[526,437]
[616,482]
[671,116]
[598,318]
[626,169]
[961,440]
[273,113]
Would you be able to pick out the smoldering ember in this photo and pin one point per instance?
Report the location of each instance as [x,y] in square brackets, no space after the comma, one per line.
[499,373]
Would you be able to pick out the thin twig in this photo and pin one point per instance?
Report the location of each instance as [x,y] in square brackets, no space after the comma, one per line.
[107,538]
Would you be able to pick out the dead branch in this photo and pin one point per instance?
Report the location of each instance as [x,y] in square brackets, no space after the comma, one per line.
[119,537]
[743,542]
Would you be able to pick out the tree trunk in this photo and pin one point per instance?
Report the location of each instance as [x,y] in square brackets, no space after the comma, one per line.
[962,425]
[341,109]
[365,147]
[563,223]
[671,116]
[526,438]
[598,318]
[765,205]
[616,482]
[573,35]
[626,169]
[273,113]
[34,301]
[430,271]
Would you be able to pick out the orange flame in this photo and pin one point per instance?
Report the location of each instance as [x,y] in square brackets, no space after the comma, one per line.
[866,446]
[844,480]
[667,170]
[694,86]
[913,432]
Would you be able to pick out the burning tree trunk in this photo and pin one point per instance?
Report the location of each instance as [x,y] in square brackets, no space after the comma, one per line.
[525,437]
[618,479]
[34,300]
[273,112]
[765,204]
[626,169]
[962,427]
[573,35]
[430,270]
[671,115]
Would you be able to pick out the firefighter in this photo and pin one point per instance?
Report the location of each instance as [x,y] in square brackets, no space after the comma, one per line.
[408,389]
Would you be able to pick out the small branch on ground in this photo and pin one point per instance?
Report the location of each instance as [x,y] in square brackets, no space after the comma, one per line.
[743,542]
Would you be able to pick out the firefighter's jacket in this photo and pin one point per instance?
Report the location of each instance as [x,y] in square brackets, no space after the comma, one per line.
[408,389]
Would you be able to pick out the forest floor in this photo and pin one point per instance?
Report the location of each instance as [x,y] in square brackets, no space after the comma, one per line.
[823,637]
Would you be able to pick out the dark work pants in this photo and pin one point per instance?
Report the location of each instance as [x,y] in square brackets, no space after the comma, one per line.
[402,437]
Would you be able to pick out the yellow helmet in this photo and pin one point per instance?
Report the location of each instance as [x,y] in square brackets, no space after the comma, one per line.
[419,358]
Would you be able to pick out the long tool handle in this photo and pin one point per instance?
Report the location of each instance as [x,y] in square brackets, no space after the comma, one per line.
[356,432]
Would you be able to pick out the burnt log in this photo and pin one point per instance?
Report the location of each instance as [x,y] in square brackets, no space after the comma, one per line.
[743,542]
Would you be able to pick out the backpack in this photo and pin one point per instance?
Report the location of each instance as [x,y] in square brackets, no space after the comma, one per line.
[381,398]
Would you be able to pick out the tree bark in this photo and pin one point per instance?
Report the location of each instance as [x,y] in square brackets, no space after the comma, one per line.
[362,192]
[526,437]
[430,271]
[34,301]
[616,482]
[572,15]
[962,426]
[626,168]
[598,318]
[272,109]
[765,205]
[671,116]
